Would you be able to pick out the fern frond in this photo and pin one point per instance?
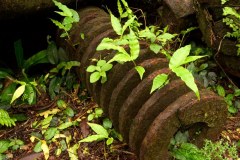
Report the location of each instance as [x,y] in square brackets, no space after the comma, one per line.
[5,119]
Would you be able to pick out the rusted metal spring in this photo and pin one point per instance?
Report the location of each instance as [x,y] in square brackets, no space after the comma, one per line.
[146,121]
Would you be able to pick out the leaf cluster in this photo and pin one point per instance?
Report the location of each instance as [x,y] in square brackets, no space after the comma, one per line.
[70,17]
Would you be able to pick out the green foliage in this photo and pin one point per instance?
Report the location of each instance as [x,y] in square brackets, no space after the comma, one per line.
[5,119]
[232,20]
[98,112]
[99,71]
[159,81]
[103,132]
[70,17]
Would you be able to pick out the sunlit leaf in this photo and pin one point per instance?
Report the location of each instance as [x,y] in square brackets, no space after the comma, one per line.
[38,147]
[19,91]
[100,130]
[127,24]
[91,68]
[49,112]
[50,133]
[140,71]
[63,7]
[188,78]
[121,58]
[179,56]
[72,152]
[93,138]
[134,45]
[117,27]
[220,91]
[155,47]
[109,141]
[45,149]
[106,67]
[159,81]
[65,125]
[46,122]
[94,77]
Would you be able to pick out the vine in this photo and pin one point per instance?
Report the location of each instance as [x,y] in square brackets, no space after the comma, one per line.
[130,34]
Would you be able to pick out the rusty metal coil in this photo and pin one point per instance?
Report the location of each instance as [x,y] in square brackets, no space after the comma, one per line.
[146,121]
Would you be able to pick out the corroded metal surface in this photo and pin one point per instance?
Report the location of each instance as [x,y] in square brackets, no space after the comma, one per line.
[147,121]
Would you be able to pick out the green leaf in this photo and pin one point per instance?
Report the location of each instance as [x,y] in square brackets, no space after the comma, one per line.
[72,152]
[93,138]
[221,91]
[100,63]
[19,53]
[165,37]
[108,44]
[69,112]
[127,24]
[4,144]
[46,122]
[106,67]
[91,68]
[100,130]
[121,58]
[94,77]
[155,47]
[7,93]
[179,56]
[38,58]
[58,24]
[232,109]
[50,133]
[191,59]
[140,71]
[109,141]
[117,27]
[65,125]
[4,74]
[52,53]
[188,78]
[230,11]
[37,147]
[75,15]
[107,123]
[30,94]
[19,91]
[64,8]
[71,64]
[159,81]
[120,10]
[134,45]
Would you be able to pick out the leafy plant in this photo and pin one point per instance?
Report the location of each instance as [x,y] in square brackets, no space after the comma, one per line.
[70,17]
[95,114]
[232,18]
[5,119]
[103,132]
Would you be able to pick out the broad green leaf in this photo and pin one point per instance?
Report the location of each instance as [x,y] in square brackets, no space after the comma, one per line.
[72,152]
[75,15]
[31,94]
[109,141]
[19,91]
[191,59]
[117,27]
[155,47]
[110,46]
[165,37]
[121,42]
[7,93]
[221,91]
[159,81]
[91,68]
[19,53]
[50,133]
[4,144]
[101,63]
[179,56]
[94,77]
[100,130]
[188,78]
[52,53]
[121,58]
[67,21]
[93,138]
[45,149]
[38,58]
[134,45]
[65,125]
[63,7]
[140,71]
[106,67]
[4,74]
[46,122]
[38,147]
[107,123]
[69,112]
[127,24]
